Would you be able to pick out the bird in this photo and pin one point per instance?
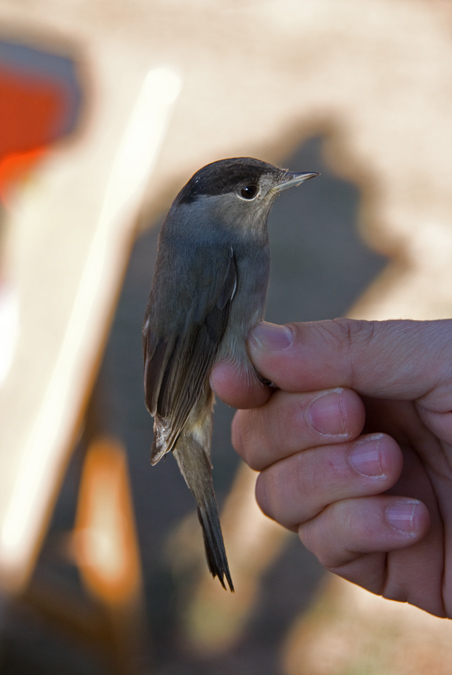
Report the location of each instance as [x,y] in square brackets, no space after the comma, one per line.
[208,291]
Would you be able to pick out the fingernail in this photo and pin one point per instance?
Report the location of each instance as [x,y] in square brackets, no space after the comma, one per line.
[326,414]
[365,456]
[401,516]
[270,336]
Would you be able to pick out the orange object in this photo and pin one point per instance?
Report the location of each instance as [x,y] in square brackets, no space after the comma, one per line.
[105,539]
[33,108]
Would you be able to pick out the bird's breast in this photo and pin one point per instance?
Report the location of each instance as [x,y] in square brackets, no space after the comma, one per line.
[248,304]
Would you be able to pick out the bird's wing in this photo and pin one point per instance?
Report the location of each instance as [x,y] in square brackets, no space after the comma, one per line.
[180,349]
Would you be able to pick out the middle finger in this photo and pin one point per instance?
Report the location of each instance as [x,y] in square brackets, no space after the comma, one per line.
[291,422]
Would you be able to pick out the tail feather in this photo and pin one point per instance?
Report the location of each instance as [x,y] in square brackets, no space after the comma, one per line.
[195,467]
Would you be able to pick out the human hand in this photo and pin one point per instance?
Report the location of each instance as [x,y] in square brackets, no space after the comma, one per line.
[354,447]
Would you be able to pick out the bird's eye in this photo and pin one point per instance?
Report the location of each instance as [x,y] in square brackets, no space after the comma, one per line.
[249,191]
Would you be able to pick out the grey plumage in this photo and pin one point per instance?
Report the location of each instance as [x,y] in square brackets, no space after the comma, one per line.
[209,289]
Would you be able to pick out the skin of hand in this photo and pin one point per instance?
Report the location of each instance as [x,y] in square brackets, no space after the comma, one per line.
[353,446]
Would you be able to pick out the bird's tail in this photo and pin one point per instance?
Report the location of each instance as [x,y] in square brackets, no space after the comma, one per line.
[195,467]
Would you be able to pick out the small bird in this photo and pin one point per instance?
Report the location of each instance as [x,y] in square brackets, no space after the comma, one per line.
[209,289]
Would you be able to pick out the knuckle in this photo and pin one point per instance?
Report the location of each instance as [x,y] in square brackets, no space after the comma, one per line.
[245,438]
[349,331]
[281,494]
[261,435]
[265,496]
[323,535]
[312,535]
[238,433]
[272,488]
[355,337]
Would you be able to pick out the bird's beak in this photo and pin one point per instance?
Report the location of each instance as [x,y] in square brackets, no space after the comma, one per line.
[292,179]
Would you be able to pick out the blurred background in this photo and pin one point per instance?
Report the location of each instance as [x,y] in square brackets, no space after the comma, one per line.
[106,110]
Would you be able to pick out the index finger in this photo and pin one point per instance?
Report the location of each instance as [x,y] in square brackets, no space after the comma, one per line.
[236,387]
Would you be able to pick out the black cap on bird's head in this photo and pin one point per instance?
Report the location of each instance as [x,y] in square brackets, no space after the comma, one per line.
[245,176]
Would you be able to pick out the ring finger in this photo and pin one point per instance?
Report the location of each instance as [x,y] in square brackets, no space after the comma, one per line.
[299,487]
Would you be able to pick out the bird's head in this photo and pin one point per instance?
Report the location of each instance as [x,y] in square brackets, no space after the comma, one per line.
[238,191]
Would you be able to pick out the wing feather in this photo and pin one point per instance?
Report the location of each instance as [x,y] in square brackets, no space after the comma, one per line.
[178,356]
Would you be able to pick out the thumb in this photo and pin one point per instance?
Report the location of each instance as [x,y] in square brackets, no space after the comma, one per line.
[390,359]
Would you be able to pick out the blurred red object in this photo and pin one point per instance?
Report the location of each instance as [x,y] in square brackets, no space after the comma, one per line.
[37,103]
